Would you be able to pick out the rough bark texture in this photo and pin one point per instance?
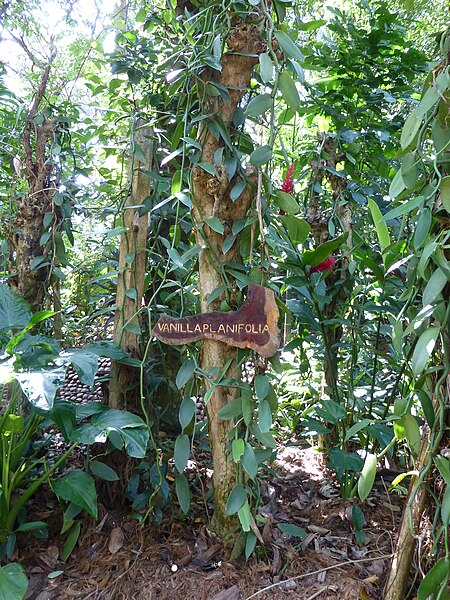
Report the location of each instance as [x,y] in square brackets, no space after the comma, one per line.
[124,384]
[212,199]
[25,231]
[397,583]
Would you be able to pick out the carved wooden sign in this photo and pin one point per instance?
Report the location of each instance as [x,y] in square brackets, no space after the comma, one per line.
[254,325]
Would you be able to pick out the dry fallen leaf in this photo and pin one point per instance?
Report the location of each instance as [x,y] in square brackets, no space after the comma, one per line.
[116,540]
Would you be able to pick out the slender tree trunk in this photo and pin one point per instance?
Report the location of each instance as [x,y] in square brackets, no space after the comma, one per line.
[211,195]
[124,384]
[28,278]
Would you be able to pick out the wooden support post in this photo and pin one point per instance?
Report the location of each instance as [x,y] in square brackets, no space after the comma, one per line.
[124,385]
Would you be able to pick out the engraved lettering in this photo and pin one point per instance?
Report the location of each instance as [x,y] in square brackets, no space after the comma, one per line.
[197,328]
[248,328]
[221,328]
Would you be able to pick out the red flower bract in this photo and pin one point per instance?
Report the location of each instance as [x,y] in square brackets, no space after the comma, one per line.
[288,184]
[325,265]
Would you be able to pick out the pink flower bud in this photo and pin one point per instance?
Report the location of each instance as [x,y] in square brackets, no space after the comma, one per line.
[326,265]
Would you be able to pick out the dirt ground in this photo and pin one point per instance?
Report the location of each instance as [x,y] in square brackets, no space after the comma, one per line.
[117,559]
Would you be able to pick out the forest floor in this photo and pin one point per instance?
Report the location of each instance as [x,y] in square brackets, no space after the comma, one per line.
[117,559]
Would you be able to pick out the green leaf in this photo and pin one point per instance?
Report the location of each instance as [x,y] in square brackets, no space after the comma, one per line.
[288,46]
[322,252]
[264,416]
[287,203]
[262,386]
[116,231]
[40,387]
[434,287]
[265,67]
[183,492]
[311,25]
[423,350]
[427,406]
[298,229]
[380,225]
[33,526]
[289,90]
[445,507]
[367,478]
[186,412]
[409,170]
[185,372]
[85,364]
[15,312]
[208,167]
[293,530]
[412,432]
[71,541]
[237,449]
[444,188]
[13,582]
[331,411]
[422,228]
[250,544]
[11,424]
[260,156]
[231,410]
[245,516]
[247,407]
[101,470]
[356,428]
[181,452]
[130,428]
[176,182]
[249,462]
[433,579]
[358,517]
[259,105]
[410,129]
[215,224]
[78,487]
[404,208]
[237,190]
[236,499]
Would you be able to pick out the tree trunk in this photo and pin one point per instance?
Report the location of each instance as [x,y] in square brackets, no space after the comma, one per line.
[211,195]
[124,384]
[398,575]
[29,279]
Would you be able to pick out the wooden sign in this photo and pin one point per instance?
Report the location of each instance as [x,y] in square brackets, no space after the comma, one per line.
[254,325]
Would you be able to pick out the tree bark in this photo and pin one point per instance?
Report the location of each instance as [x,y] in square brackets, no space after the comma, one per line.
[124,384]
[25,233]
[212,199]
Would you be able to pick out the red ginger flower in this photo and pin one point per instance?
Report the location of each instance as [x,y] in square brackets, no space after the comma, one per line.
[325,265]
[288,183]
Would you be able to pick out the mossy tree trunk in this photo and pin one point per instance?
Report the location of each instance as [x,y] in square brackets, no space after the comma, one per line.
[211,194]
[124,384]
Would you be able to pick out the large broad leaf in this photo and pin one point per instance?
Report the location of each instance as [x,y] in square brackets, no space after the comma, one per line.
[85,364]
[298,229]
[13,582]
[110,350]
[130,428]
[15,312]
[78,487]
[342,461]
[40,387]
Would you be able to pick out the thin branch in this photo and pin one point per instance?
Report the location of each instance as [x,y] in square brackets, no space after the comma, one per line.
[337,566]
